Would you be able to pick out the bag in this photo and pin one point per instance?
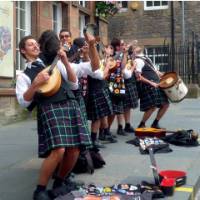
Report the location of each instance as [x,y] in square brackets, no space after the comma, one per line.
[88,160]
[183,138]
[157,145]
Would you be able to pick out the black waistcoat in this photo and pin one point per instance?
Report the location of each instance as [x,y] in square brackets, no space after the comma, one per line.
[148,71]
[62,94]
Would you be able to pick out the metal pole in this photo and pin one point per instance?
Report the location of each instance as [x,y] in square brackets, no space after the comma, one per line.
[172,37]
[183,23]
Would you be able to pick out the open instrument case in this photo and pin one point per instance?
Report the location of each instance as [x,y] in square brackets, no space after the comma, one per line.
[167,179]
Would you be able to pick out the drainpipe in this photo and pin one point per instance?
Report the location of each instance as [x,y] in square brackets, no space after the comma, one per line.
[172,37]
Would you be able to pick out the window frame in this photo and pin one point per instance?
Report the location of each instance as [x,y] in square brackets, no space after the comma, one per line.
[58,20]
[161,7]
[20,62]
[122,9]
[155,55]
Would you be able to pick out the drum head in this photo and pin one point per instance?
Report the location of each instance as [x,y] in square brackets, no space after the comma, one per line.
[168,80]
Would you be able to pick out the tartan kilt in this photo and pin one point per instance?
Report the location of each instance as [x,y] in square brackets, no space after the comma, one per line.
[131,95]
[151,97]
[118,105]
[81,101]
[61,124]
[99,104]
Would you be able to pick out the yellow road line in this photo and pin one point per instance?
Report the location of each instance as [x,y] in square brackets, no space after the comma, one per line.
[184,189]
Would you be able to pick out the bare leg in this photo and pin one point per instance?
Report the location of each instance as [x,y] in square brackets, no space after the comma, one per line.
[162,111]
[68,162]
[49,165]
[110,120]
[95,126]
[148,114]
[127,116]
[104,122]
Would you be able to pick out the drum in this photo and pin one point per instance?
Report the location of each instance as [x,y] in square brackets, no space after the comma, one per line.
[173,86]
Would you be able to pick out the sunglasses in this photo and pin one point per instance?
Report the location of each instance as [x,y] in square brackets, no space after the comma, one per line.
[64,36]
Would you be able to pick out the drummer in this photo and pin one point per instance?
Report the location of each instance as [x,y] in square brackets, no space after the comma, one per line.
[151,96]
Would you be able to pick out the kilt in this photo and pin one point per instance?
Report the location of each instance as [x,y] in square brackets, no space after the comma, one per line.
[118,105]
[131,96]
[151,97]
[61,124]
[81,101]
[99,104]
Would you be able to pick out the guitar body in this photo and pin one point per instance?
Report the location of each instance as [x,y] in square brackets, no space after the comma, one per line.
[150,132]
[53,84]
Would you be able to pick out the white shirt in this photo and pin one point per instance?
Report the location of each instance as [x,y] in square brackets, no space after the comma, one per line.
[139,63]
[84,68]
[24,82]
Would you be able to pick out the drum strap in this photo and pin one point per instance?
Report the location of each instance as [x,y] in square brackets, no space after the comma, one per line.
[149,63]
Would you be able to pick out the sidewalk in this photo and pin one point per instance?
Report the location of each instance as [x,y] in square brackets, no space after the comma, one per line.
[19,164]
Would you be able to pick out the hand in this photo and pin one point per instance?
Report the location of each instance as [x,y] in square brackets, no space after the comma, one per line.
[40,79]
[63,56]
[90,39]
[156,85]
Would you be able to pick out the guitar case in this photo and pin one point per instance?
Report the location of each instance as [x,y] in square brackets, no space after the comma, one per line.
[150,132]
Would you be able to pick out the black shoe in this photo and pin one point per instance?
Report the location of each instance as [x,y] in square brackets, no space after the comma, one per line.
[75,184]
[129,129]
[42,195]
[156,126]
[60,191]
[141,125]
[98,144]
[108,139]
[120,131]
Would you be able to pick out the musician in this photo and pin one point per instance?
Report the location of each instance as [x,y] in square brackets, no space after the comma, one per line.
[131,96]
[65,38]
[118,108]
[151,97]
[60,136]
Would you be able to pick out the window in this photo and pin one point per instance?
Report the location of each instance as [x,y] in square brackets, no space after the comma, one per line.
[159,56]
[57,17]
[155,5]
[83,20]
[123,6]
[82,3]
[23,28]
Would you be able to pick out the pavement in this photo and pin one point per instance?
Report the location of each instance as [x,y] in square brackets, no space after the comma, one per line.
[19,165]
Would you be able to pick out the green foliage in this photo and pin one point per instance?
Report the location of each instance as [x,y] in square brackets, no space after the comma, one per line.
[105,8]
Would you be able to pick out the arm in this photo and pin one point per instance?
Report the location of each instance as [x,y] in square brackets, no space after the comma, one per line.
[70,72]
[93,54]
[25,91]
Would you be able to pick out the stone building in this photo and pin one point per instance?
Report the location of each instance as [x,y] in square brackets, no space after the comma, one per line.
[163,28]
[20,18]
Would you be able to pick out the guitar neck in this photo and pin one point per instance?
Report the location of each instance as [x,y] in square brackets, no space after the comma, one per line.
[53,64]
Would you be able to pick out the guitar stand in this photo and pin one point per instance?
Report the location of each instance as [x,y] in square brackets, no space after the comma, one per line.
[167,180]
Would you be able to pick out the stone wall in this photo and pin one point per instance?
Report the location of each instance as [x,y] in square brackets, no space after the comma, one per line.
[10,111]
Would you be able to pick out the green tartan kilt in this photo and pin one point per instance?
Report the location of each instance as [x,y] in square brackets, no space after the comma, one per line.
[61,125]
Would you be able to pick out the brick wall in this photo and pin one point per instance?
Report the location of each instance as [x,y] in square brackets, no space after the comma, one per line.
[153,27]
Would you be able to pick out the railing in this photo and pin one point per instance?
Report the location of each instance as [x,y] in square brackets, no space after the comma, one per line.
[183,59]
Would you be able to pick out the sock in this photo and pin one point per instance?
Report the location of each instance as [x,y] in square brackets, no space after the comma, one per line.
[57,182]
[101,130]
[40,188]
[155,122]
[120,126]
[93,136]
[141,124]
[106,131]
[127,125]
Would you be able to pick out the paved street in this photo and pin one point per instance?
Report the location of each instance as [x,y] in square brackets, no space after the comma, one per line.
[19,163]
